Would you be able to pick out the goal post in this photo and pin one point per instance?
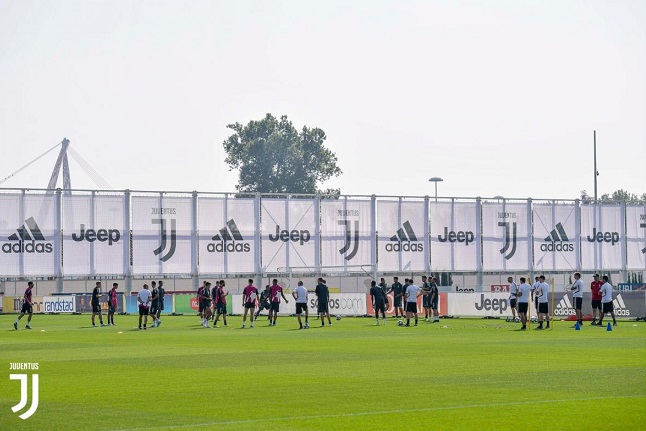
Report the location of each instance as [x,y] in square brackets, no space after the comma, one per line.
[288,275]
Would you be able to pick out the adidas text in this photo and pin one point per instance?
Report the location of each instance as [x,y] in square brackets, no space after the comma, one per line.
[27,247]
[231,247]
[406,246]
[557,246]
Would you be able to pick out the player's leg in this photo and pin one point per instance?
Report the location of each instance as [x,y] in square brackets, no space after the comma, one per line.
[307,315]
[28,326]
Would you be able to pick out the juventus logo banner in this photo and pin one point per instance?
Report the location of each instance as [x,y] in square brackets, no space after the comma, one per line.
[555,237]
[506,239]
[636,236]
[455,238]
[228,235]
[288,234]
[28,228]
[94,240]
[402,239]
[601,237]
[161,234]
[346,232]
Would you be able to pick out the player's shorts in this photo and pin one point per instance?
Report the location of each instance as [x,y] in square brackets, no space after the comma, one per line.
[411,307]
[608,307]
[96,308]
[397,302]
[201,306]
[221,308]
[542,307]
[251,304]
[578,302]
[301,307]
[380,306]
[112,308]
[206,304]
[153,309]
[143,310]
[512,302]
[426,301]
[323,307]
[596,304]
[275,306]
[434,303]
[522,307]
[26,308]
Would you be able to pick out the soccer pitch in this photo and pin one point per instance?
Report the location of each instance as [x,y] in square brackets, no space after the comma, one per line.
[459,374]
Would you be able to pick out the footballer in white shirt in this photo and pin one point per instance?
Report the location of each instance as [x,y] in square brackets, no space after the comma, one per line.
[606,301]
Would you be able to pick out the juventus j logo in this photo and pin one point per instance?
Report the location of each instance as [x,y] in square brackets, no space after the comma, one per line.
[351,238]
[644,226]
[164,236]
[23,394]
[510,239]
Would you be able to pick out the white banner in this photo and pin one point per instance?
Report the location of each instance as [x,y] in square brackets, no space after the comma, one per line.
[555,237]
[228,235]
[59,304]
[506,238]
[161,235]
[288,234]
[94,238]
[636,237]
[402,241]
[454,236]
[342,304]
[478,304]
[346,233]
[601,237]
[28,235]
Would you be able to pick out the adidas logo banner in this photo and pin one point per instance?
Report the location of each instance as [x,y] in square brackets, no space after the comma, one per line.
[636,237]
[27,245]
[228,235]
[602,236]
[554,237]
[505,236]
[288,233]
[346,232]
[161,234]
[403,240]
[455,236]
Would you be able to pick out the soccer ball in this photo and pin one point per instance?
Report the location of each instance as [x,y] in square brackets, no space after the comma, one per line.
[517,319]
[533,319]
[338,317]
[400,323]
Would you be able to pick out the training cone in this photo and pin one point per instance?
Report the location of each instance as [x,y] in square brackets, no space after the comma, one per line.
[609,327]
[577,327]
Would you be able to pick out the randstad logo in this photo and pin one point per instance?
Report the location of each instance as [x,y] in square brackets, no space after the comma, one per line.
[405,240]
[564,307]
[619,307]
[557,240]
[24,393]
[231,233]
[29,239]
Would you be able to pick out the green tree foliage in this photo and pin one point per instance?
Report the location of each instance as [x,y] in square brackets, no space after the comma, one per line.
[616,197]
[272,157]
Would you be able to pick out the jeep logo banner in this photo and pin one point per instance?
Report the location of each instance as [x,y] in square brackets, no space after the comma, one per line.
[506,240]
[455,239]
[346,232]
[93,234]
[602,238]
[288,233]
[403,244]
[554,237]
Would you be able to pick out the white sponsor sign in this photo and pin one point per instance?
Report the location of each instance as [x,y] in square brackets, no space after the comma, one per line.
[403,244]
[347,236]
[454,236]
[601,236]
[343,304]
[555,237]
[478,304]
[59,304]
[636,237]
[506,240]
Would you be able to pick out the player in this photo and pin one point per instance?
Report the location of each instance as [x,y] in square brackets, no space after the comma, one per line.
[249,298]
[154,304]
[27,307]
[577,297]
[513,292]
[112,303]
[162,292]
[426,298]
[435,295]
[378,302]
[206,304]
[543,309]
[200,305]
[606,302]
[412,293]
[275,292]
[534,295]
[300,296]
[96,306]
[143,299]
[398,294]
[523,294]
[595,287]
[384,287]
[263,303]
[220,303]
[323,296]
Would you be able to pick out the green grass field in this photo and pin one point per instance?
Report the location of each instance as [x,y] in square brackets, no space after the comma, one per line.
[460,374]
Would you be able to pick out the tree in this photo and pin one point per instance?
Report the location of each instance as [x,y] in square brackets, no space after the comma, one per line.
[272,157]
[617,196]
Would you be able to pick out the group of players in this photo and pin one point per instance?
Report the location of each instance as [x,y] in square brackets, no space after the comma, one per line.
[521,295]
[408,292]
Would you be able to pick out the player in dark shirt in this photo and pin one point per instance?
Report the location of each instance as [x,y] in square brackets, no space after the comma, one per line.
[435,294]
[219,303]
[96,306]
[27,307]
[206,304]
[263,303]
[154,304]
[426,299]
[398,293]
[161,300]
[112,303]
[378,301]
[323,296]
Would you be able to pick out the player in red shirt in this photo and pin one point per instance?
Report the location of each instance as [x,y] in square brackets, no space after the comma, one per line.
[27,307]
[220,303]
[275,292]
[112,303]
[249,298]
[595,287]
